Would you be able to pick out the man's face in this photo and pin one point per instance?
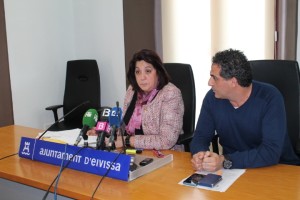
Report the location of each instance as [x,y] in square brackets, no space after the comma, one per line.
[221,87]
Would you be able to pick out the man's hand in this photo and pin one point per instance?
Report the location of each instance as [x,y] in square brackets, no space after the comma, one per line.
[207,161]
[197,160]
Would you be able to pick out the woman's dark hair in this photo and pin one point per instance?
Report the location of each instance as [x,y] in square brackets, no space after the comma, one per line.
[234,63]
[151,57]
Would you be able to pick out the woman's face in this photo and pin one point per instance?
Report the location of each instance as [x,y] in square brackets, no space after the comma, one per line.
[146,76]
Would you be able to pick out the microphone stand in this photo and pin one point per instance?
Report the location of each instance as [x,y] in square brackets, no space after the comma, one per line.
[81,135]
[102,133]
[85,141]
[111,142]
[100,143]
[121,129]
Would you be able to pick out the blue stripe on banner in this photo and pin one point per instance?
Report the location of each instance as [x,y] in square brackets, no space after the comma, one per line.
[87,160]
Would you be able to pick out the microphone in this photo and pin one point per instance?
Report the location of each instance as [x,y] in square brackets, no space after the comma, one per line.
[88,121]
[102,128]
[112,138]
[122,127]
[75,108]
[115,116]
[114,122]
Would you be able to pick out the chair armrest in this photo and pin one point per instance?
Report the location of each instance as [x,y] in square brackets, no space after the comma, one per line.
[215,144]
[54,110]
[185,138]
[55,107]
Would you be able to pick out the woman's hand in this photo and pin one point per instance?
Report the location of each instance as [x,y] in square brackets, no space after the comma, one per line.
[92,132]
[118,142]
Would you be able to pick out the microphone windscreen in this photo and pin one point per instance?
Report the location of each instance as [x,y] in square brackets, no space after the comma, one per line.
[104,114]
[115,116]
[90,118]
[102,126]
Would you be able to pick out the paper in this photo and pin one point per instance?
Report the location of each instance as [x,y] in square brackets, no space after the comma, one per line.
[67,136]
[229,176]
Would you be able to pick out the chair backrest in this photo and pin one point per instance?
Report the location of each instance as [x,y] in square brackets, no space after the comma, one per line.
[82,84]
[285,76]
[182,76]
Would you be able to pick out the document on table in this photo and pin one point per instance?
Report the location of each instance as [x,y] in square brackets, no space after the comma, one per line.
[67,136]
[229,176]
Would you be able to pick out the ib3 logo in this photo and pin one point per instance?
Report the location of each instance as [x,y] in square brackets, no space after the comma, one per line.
[26,148]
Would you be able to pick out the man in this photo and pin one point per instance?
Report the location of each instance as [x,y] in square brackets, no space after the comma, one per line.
[248,116]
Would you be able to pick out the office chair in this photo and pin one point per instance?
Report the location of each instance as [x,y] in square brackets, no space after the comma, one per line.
[285,76]
[182,77]
[82,85]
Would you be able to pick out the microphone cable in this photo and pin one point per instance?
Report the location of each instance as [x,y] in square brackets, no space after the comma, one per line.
[59,173]
[108,170]
[121,128]
[47,192]
[83,103]
[172,147]
[8,156]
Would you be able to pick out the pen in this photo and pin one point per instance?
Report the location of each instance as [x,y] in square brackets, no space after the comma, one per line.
[134,151]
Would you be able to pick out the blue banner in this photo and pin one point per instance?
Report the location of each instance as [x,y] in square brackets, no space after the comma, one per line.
[82,159]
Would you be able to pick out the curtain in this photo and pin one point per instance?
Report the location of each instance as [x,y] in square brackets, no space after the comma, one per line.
[287,29]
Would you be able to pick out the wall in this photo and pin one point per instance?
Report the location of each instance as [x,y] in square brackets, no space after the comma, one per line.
[6,111]
[298,37]
[43,35]
[139,27]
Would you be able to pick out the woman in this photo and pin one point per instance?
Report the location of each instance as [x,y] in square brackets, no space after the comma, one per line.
[153,106]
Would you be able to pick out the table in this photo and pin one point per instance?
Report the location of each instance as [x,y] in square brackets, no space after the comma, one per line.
[275,182]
